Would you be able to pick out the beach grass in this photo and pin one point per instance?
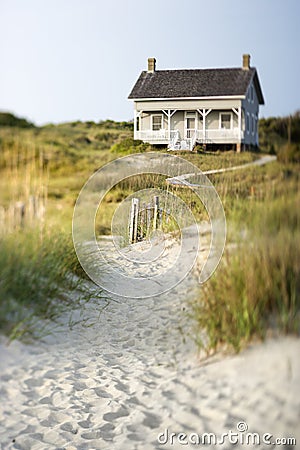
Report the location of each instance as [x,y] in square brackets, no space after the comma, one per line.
[256,288]
[38,270]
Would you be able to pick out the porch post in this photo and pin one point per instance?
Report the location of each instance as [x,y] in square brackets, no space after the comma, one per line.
[204,125]
[240,122]
[134,124]
[238,147]
[169,114]
[238,112]
[136,115]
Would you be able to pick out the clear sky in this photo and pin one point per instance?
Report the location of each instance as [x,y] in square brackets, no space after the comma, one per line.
[63,60]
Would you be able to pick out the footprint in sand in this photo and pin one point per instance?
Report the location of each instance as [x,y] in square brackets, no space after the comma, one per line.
[110,417]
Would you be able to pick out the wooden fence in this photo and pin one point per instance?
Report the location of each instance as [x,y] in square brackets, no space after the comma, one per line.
[145,218]
[21,214]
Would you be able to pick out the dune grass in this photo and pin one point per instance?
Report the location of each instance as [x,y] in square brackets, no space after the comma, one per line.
[38,265]
[256,288]
[218,159]
[38,272]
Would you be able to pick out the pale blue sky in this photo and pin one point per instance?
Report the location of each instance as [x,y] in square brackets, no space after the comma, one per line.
[64,60]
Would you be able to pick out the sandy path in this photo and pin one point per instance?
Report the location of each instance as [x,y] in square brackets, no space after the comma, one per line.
[261,161]
[120,383]
[127,373]
[183,179]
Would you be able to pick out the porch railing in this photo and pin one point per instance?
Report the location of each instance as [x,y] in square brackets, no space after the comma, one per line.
[219,135]
[193,136]
[151,135]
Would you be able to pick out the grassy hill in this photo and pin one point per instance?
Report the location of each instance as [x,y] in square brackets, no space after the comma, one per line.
[69,154]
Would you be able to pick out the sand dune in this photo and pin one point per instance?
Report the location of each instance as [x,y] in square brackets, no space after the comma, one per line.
[133,377]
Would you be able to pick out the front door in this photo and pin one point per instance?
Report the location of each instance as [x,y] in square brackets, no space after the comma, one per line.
[190,124]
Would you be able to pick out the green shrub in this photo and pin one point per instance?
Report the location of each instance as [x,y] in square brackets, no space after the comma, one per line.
[274,132]
[289,153]
[9,120]
[111,124]
[105,136]
[82,139]
[129,145]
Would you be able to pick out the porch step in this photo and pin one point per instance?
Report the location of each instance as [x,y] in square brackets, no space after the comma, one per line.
[182,144]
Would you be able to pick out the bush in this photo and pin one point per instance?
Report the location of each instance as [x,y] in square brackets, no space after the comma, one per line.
[111,124]
[82,140]
[129,145]
[9,120]
[105,136]
[274,132]
[289,153]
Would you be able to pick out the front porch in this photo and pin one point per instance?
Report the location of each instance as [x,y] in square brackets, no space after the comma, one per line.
[182,131]
[173,137]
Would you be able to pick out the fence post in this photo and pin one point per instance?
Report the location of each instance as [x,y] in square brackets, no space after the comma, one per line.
[156,208]
[149,214]
[160,218]
[19,214]
[143,220]
[134,211]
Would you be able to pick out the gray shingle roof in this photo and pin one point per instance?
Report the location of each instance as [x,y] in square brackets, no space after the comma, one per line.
[195,83]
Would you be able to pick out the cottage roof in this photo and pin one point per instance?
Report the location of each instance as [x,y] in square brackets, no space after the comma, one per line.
[181,83]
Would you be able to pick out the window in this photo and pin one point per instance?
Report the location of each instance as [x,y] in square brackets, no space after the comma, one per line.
[190,119]
[226,121]
[157,122]
[252,93]
[247,123]
[190,114]
[190,122]
[254,124]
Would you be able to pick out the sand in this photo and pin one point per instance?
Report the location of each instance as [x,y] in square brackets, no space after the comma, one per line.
[128,374]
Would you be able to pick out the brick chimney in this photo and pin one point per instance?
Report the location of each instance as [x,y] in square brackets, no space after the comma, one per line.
[151,65]
[246,62]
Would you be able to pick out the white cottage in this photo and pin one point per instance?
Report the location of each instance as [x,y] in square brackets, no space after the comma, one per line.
[213,107]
